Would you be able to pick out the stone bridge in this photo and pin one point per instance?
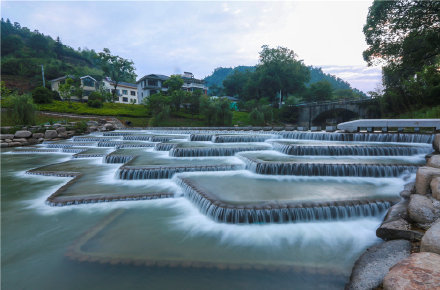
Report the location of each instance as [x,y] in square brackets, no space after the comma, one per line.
[320,113]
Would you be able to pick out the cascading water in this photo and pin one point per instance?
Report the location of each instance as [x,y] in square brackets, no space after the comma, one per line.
[360,137]
[212,151]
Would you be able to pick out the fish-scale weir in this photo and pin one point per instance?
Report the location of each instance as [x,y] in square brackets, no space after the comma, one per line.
[360,137]
[280,212]
[356,150]
[241,138]
[212,151]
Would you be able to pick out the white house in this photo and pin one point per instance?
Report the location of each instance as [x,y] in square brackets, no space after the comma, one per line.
[87,83]
[126,92]
[153,83]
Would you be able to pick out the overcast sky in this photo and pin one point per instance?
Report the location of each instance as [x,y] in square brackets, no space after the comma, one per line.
[173,37]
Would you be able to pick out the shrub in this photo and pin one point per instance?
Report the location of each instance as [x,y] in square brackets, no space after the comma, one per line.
[23,109]
[80,127]
[94,103]
[256,118]
[95,100]
[42,95]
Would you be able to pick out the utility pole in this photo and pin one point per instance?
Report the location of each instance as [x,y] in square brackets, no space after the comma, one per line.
[280,100]
[42,73]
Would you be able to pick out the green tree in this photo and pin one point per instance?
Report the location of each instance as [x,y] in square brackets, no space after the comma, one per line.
[66,90]
[208,109]
[117,68]
[174,83]
[159,106]
[23,109]
[256,118]
[42,95]
[38,42]
[320,91]
[95,100]
[58,48]
[10,44]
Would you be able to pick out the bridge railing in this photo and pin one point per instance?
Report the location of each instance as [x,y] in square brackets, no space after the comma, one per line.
[338,102]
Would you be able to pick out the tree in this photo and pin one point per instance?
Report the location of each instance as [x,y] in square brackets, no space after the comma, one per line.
[11,44]
[23,109]
[42,95]
[320,91]
[159,106]
[279,71]
[95,100]
[117,68]
[58,49]
[174,83]
[38,42]
[66,90]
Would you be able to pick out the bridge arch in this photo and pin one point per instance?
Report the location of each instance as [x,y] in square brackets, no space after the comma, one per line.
[334,116]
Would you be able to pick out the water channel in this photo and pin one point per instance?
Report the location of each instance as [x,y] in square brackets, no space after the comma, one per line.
[194,209]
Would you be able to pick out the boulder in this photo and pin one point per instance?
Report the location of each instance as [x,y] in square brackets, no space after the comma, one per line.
[6,136]
[435,187]
[431,239]
[38,135]
[62,134]
[436,143]
[70,133]
[50,134]
[418,271]
[21,140]
[92,123]
[23,134]
[109,127]
[434,161]
[40,140]
[423,210]
[8,140]
[61,130]
[32,141]
[14,144]
[372,266]
[424,177]
[92,129]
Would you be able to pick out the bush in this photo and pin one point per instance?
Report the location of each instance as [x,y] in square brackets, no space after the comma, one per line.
[80,127]
[94,103]
[42,95]
[256,118]
[23,109]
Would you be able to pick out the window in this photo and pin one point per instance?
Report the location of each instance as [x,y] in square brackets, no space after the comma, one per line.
[124,92]
[88,82]
[125,99]
[152,92]
[152,83]
[133,93]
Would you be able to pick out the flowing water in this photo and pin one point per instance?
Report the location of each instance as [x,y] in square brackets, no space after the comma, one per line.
[170,209]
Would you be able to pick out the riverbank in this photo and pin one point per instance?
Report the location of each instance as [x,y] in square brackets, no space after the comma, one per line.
[410,254]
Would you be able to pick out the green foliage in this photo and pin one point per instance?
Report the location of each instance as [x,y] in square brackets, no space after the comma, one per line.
[42,95]
[174,83]
[320,91]
[23,109]
[216,112]
[80,127]
[66,90]
[404,36]
[256,118]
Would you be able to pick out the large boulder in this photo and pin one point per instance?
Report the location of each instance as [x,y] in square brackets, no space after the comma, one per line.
[423,210]
[23,134]
[436,143]
[6,136]
[418,271]
[109,127]
[38,135]
[370,269]
[395,225]
[435,187]
[423,178]
[434,161]
[61,130]
[50,134]
[431,239]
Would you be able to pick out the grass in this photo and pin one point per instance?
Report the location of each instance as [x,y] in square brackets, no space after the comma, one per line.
[240,118]
[109,109]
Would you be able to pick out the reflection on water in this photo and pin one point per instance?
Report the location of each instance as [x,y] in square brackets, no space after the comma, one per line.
[184,248]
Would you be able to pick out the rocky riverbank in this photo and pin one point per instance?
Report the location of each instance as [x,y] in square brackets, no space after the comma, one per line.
[33,135]
[409,257]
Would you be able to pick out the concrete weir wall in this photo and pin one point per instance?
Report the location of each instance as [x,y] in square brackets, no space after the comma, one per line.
[354,126]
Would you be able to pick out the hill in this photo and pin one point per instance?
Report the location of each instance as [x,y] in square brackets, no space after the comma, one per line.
[316,75]
[24,51]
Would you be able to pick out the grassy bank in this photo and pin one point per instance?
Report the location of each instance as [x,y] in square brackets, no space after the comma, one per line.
[425,113]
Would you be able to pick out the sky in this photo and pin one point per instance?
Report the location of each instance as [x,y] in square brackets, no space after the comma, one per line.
[170,37]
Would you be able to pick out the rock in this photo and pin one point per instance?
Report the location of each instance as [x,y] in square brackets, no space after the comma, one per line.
[61,130]
[40,140]
[92,123]
[431,239]
[424,177]
[23,134]
[8,140]
[109,127]
[423,210]
[14,144]
[3,145]
[434,161]
[62,134]
[395,225]
[50,134]
[418,271]
[38,135]
[372,266]
[6,136]
[32,141]
[436,143]
[70,133]
[21,140]
[92,129]
[435,188]
[102,121]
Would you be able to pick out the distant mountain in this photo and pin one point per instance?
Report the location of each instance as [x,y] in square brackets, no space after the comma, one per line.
[316,75]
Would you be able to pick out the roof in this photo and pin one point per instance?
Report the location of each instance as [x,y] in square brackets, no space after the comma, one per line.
[62,78]
[154,76]
[87,76]
[120,83]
